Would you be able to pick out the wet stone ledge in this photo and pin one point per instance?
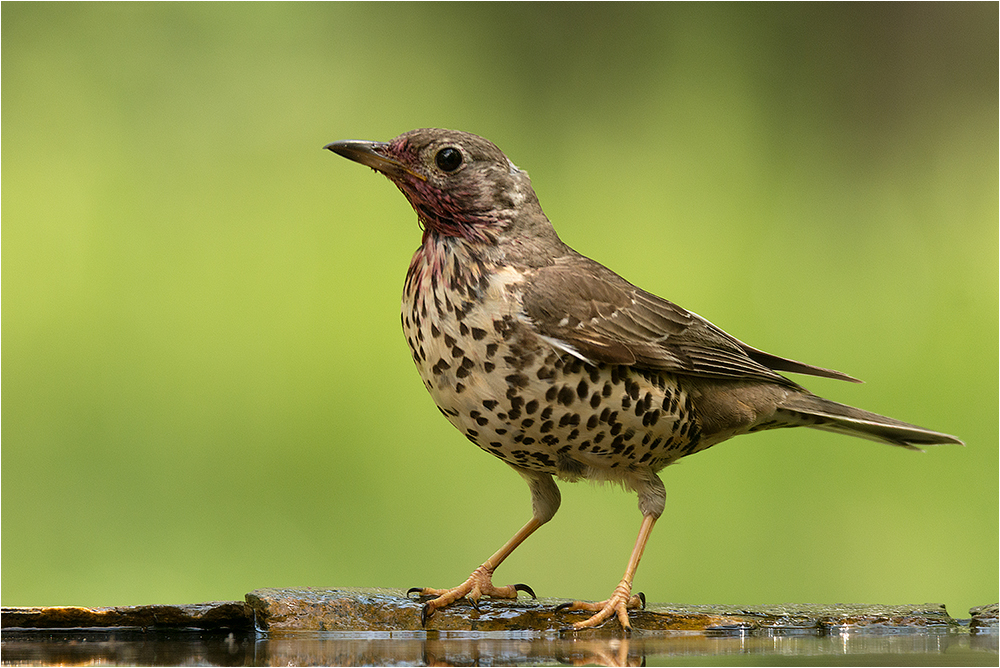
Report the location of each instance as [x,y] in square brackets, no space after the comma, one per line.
[985,617]
[213,616]
[380,610]
[315,609]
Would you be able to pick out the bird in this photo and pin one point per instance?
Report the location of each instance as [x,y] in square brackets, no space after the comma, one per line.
[563,369]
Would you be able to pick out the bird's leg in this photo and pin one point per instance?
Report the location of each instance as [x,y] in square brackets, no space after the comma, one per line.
[621,600]
[544,501]
[480,583]
[652,500]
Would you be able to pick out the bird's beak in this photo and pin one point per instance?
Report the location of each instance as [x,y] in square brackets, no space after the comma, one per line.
[372,154]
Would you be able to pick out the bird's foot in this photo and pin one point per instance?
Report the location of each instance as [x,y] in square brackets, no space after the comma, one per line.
[479,584]
[620,602]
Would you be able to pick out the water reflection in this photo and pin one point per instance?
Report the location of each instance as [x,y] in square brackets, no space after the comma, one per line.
[867,647]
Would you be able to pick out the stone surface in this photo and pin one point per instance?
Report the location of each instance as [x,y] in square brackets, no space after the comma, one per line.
[985,616]
[381,610]
[214,615]
[319,626]
[316,609]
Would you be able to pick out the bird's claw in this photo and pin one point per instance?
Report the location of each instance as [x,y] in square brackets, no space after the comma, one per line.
[424,614]
[478,585]
[618,604]
[526,589]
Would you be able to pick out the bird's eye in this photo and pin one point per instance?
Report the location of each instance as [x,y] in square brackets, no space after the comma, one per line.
[448,159]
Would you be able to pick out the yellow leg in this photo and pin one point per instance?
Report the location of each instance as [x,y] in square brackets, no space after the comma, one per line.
[480,583]
[621,599]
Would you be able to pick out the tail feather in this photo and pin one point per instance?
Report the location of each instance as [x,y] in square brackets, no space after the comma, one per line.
[808,410]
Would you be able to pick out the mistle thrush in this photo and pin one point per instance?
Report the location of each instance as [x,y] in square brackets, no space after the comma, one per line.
[560,367]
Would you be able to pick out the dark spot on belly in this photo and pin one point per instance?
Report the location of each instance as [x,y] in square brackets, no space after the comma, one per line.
[465,369]
[543,459]
[517,380]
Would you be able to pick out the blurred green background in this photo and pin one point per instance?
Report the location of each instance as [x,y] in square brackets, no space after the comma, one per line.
[205,386]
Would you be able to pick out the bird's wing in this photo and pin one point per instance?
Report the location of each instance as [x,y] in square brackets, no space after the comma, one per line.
[589,311]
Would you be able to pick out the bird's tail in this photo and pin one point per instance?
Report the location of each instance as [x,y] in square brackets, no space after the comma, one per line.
[808,410]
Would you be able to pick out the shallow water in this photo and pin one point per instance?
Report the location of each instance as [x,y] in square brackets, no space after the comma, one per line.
[847,647]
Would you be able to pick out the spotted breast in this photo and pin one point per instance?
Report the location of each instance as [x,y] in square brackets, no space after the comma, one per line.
[518,396]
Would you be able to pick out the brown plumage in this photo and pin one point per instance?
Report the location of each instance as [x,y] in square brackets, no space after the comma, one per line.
[559,366]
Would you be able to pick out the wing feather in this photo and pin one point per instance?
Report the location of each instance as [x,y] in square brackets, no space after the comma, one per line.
[588,310]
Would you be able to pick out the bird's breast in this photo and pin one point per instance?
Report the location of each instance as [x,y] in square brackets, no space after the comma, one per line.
[459,315]
[520,398]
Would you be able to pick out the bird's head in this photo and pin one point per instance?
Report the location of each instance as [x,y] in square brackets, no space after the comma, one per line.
[460,185]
